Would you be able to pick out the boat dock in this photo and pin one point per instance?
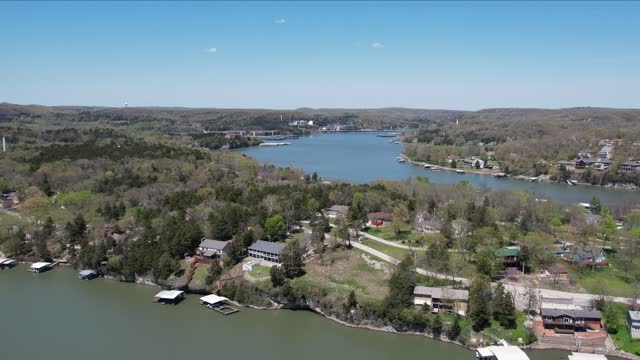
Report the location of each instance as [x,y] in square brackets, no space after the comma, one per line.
[169,297]
[218,303]
[274,144]
[7,263]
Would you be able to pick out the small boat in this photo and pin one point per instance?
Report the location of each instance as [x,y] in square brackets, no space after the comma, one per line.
[569,182]
[461,171]
[427,166]
[401,160]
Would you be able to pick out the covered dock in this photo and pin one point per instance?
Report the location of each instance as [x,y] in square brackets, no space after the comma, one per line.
[39,267]
[169,297]
[88,274]
[586,356]
[507,352]
[7,263]
[218,303]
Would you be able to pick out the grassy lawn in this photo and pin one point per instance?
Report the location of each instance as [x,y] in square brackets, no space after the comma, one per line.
[386,232]
[511,335]
[260,272]
[622,338]
[609,280]
[342,271]
[395,252]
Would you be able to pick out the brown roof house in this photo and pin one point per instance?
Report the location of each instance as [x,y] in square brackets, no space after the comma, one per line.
[212,249]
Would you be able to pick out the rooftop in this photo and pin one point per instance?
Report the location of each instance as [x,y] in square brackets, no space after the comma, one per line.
[442,293]
[214,244]
[213,299]
[503,352]
[87,272]
[584,356]
[634,315]
[40,265]
[573,313]
[268,246]
[169,294]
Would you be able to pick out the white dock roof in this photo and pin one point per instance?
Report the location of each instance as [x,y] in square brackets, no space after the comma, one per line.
[169,294]
[504,352]
[584,356]
[213,299]
[40,265]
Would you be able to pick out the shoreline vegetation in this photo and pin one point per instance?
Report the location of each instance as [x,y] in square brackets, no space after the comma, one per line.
[130,193]
[487,172]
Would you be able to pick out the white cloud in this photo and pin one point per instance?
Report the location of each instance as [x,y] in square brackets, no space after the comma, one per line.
[211,50]
[377,45]
[279,21]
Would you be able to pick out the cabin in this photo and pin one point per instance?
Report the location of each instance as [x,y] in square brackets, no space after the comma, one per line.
[442,299]
[558,274]
[7,263]
[379,218]
[40,267]
[588,256]
[267,250]
[169,297]
[633,321]
[630,166]
[212,249]
[337,211]
[510,255]
[472,163]
[584,163]
[498,352]
[603,165]
[570,321]
[88,274]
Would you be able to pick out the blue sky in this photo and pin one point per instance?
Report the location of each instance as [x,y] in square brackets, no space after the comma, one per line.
[321,54]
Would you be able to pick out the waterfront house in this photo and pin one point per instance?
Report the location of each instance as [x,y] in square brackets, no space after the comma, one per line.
[169,297]
[379,218]
[603,165]
[267,250]
[472,163]
[558,274]
[636,143]
[452,158]
[569,321]
[588,256]
[630,166]
[633,321]
[442,299]
[212,249]
[510,255]
[584,163]
[501,352]
[88,274]
[337,211]
[40,267]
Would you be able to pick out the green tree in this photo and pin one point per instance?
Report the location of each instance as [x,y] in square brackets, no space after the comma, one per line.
[455,330]
[454,164]
[488,263]
[611,318]
[357,214]
[215,270]
[77,230]
[277,276]
[595,205]
[479,302]
[275,228]
[165,267]
[436,325]
[351,302]
[401,285]
[291,259]
[400,215]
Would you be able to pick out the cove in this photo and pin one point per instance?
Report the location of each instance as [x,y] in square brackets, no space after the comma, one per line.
[55,315]
[364,157]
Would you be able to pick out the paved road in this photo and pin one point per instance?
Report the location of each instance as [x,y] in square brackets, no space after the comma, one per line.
[390,243]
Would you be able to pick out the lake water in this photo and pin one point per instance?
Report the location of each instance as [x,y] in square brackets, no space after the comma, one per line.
[54,315]
[364,157]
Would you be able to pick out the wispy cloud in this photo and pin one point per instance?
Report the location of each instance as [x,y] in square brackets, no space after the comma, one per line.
[211,50]
[279,21]
[377,45]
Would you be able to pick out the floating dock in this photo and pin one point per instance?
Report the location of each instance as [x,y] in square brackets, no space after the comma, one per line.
[274,144]
[218,303]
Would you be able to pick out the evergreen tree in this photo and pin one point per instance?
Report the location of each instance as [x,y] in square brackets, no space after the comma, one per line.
[401,285]
[436,325]
[455,330]
[292,262]
[277,276]
[215,270]
[275,228]
[595,205]
[357,214]
[479,300]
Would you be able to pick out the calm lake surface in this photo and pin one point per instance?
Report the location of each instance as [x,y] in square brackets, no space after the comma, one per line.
[364,157]
[54,315]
